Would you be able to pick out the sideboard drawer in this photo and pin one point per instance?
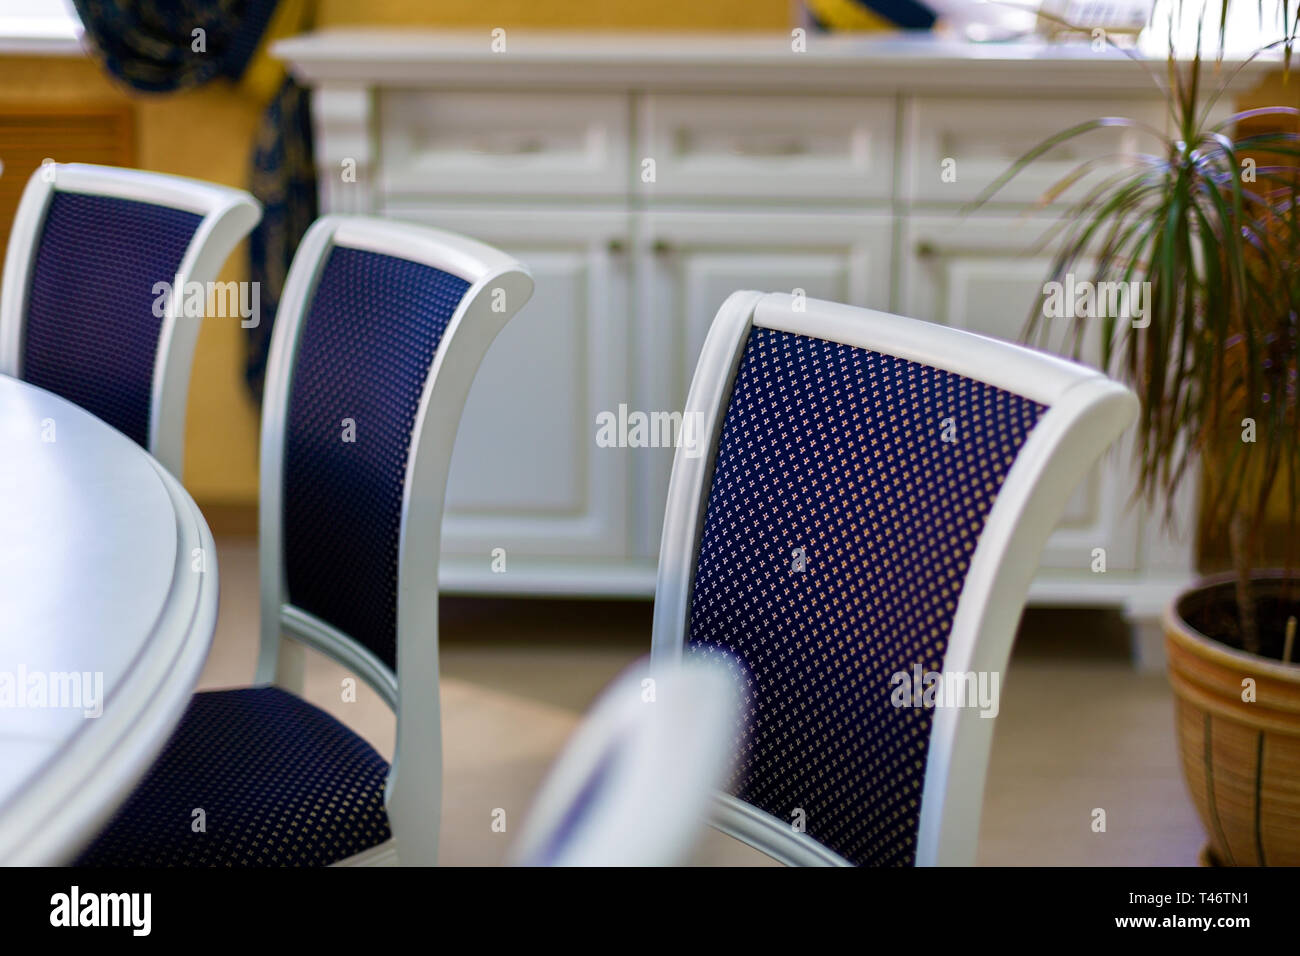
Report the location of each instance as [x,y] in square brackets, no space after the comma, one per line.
[953,150]
[767,147]
[441,143]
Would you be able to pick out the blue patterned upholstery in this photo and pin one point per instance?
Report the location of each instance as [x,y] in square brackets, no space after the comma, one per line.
[365,351]
[280,783]
[839,451]
[91,334]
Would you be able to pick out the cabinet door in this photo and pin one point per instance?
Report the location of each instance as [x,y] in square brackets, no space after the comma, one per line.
[690,262]
[983,273]
[526,474]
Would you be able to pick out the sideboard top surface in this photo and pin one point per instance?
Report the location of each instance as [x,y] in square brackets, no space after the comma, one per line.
[740,61]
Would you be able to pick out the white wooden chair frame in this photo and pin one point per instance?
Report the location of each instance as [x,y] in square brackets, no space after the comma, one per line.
[228,216]
[413,796]
[671,751]
[1086,412]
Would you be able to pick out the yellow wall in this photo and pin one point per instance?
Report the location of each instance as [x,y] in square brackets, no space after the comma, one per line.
[1274,90]
[564,14]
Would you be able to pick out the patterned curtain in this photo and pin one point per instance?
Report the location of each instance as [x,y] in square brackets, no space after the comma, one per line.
[161,46]
[284,181]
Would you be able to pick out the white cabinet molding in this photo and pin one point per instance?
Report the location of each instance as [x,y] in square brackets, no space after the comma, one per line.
[343,121]
[729,62]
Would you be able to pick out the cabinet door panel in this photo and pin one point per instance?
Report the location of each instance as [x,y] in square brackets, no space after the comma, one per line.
[526,396]
[768,147]
[502,143]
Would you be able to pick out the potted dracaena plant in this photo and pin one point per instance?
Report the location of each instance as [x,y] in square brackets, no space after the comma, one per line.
[1216,234]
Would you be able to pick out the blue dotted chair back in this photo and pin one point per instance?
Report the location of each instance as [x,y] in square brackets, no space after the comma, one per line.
[91,332]
[839,528]
[366,346]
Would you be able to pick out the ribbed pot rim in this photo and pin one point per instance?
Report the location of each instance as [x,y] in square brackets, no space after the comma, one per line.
[1179,630]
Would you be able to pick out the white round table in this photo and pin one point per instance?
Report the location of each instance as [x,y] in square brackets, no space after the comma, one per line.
[108,602]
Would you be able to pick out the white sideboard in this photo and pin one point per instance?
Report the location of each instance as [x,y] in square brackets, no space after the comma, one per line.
[643,179]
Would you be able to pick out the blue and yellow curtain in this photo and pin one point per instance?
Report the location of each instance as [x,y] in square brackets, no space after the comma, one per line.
[868,15]
[161,46]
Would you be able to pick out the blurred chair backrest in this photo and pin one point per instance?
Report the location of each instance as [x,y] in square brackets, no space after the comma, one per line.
[94,305]
[633,786]
[379,334]
[860,524]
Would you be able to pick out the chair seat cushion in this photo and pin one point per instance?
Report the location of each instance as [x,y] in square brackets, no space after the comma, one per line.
[279,783]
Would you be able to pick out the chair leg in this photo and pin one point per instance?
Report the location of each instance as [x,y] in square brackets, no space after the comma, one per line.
[291,666]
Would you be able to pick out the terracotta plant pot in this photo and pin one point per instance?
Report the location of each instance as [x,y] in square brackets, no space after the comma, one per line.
[1241,758]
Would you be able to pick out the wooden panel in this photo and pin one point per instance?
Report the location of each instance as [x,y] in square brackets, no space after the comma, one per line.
[496,144]
[1279,799]
[1241,757]
[66,134]
[1234,754]
[769,147]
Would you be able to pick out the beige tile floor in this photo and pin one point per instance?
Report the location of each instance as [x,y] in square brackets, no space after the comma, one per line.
[1078,728]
